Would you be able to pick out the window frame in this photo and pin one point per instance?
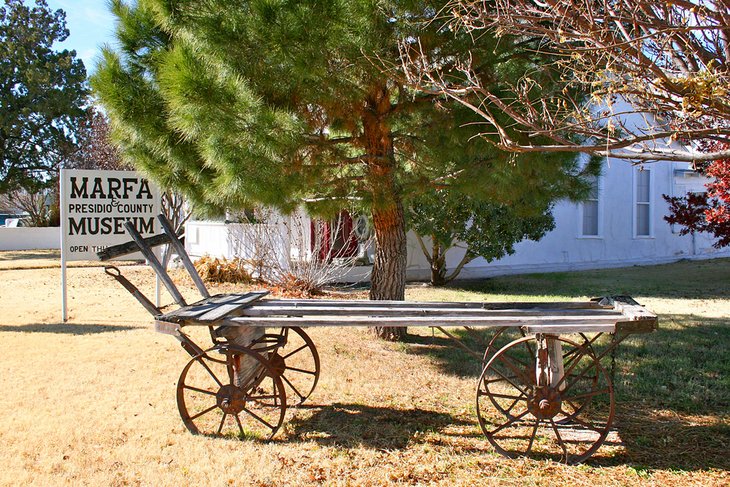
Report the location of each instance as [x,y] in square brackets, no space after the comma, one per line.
[649,204]
[599,212]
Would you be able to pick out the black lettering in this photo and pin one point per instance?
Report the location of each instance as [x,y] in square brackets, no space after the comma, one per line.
[97,189]
[114,185]
[93,226]
[79,191]
[119,225]
[106,226]
[128,186]
[77,228]
[146,225]
[144,188]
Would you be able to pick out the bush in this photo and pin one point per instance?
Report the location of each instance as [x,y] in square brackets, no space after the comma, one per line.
[223,270]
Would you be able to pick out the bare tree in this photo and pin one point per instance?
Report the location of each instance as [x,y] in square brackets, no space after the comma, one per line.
[295,253]
[634,76]
[35,205]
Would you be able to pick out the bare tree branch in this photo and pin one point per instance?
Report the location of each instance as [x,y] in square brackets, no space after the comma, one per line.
[637,79]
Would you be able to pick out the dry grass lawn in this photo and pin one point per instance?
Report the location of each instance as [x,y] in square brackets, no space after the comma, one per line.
[92,401]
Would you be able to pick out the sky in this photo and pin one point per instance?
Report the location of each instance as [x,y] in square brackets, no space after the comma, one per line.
[90,24]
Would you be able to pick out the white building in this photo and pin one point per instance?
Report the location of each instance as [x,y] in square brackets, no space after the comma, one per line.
[622,224]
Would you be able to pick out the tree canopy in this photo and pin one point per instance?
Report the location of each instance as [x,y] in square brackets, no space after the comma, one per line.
[478,228]
[290,103]
[42,95]
[633,77]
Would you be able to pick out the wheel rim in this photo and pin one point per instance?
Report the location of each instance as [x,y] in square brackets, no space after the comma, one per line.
[213,400]
[297,361]
[521,418]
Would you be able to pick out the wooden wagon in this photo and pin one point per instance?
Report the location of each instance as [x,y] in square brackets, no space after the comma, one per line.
[543,390]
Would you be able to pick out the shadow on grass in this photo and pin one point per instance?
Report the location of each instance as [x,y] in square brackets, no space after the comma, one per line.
[672,391]
[352,425]
[688,280]
[30,254]
[65,328]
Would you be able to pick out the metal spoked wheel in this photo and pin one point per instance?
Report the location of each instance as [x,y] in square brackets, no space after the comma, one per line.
[506,335]
[527,407]
[297,361]
[231,391]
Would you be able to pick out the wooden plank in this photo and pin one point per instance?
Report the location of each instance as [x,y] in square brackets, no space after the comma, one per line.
[154,263]
[433,304]
[475,321]
[567,329]
[180,250]
[131,247]
[225,310]
[167,328]
[413,310]
[212,308]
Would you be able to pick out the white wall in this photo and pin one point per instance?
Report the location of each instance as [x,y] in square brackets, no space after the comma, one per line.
[30,238]
[616,245]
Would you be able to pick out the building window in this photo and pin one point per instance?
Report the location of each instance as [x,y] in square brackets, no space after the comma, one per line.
[643,203]
[590,210]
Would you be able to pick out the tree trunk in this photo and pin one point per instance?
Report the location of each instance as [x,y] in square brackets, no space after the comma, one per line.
[388,279]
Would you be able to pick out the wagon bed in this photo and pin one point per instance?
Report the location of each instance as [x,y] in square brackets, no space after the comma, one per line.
[542,389]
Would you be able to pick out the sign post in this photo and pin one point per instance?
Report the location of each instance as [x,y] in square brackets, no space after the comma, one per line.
[95,204]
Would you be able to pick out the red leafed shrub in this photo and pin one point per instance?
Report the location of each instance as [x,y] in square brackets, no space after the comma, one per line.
[709,212]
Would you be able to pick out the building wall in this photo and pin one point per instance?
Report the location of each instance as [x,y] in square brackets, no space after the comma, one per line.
[616,245]
[30,238]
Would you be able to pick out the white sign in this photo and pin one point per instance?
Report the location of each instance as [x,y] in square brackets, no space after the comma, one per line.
[95,205]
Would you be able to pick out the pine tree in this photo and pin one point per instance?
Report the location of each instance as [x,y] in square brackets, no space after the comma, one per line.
[304,102]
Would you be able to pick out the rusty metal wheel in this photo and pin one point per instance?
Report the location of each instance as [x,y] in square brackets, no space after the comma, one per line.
[297,361]
[527,407]
[231,391]
[507,334]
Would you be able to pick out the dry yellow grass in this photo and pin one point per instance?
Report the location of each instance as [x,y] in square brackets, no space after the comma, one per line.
[92,402]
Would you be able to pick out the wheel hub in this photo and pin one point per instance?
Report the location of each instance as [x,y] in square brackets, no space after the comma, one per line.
[277,364]
[545,403]
[230,399]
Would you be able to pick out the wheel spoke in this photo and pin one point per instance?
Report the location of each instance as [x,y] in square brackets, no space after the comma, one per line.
[511,407]
[584,424]
[258,398]
[202,391]
[532,437]
[204,412]
[240,426]
[507,396]
[498,379]
[577,377]
[529,348]
[295,351]
[258,418]
[573,365]
[508,423]
[223,421]
[508,362]
[586,395]
[522,391]
[200,360]
[301,371]
[560,439]
[296,391]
